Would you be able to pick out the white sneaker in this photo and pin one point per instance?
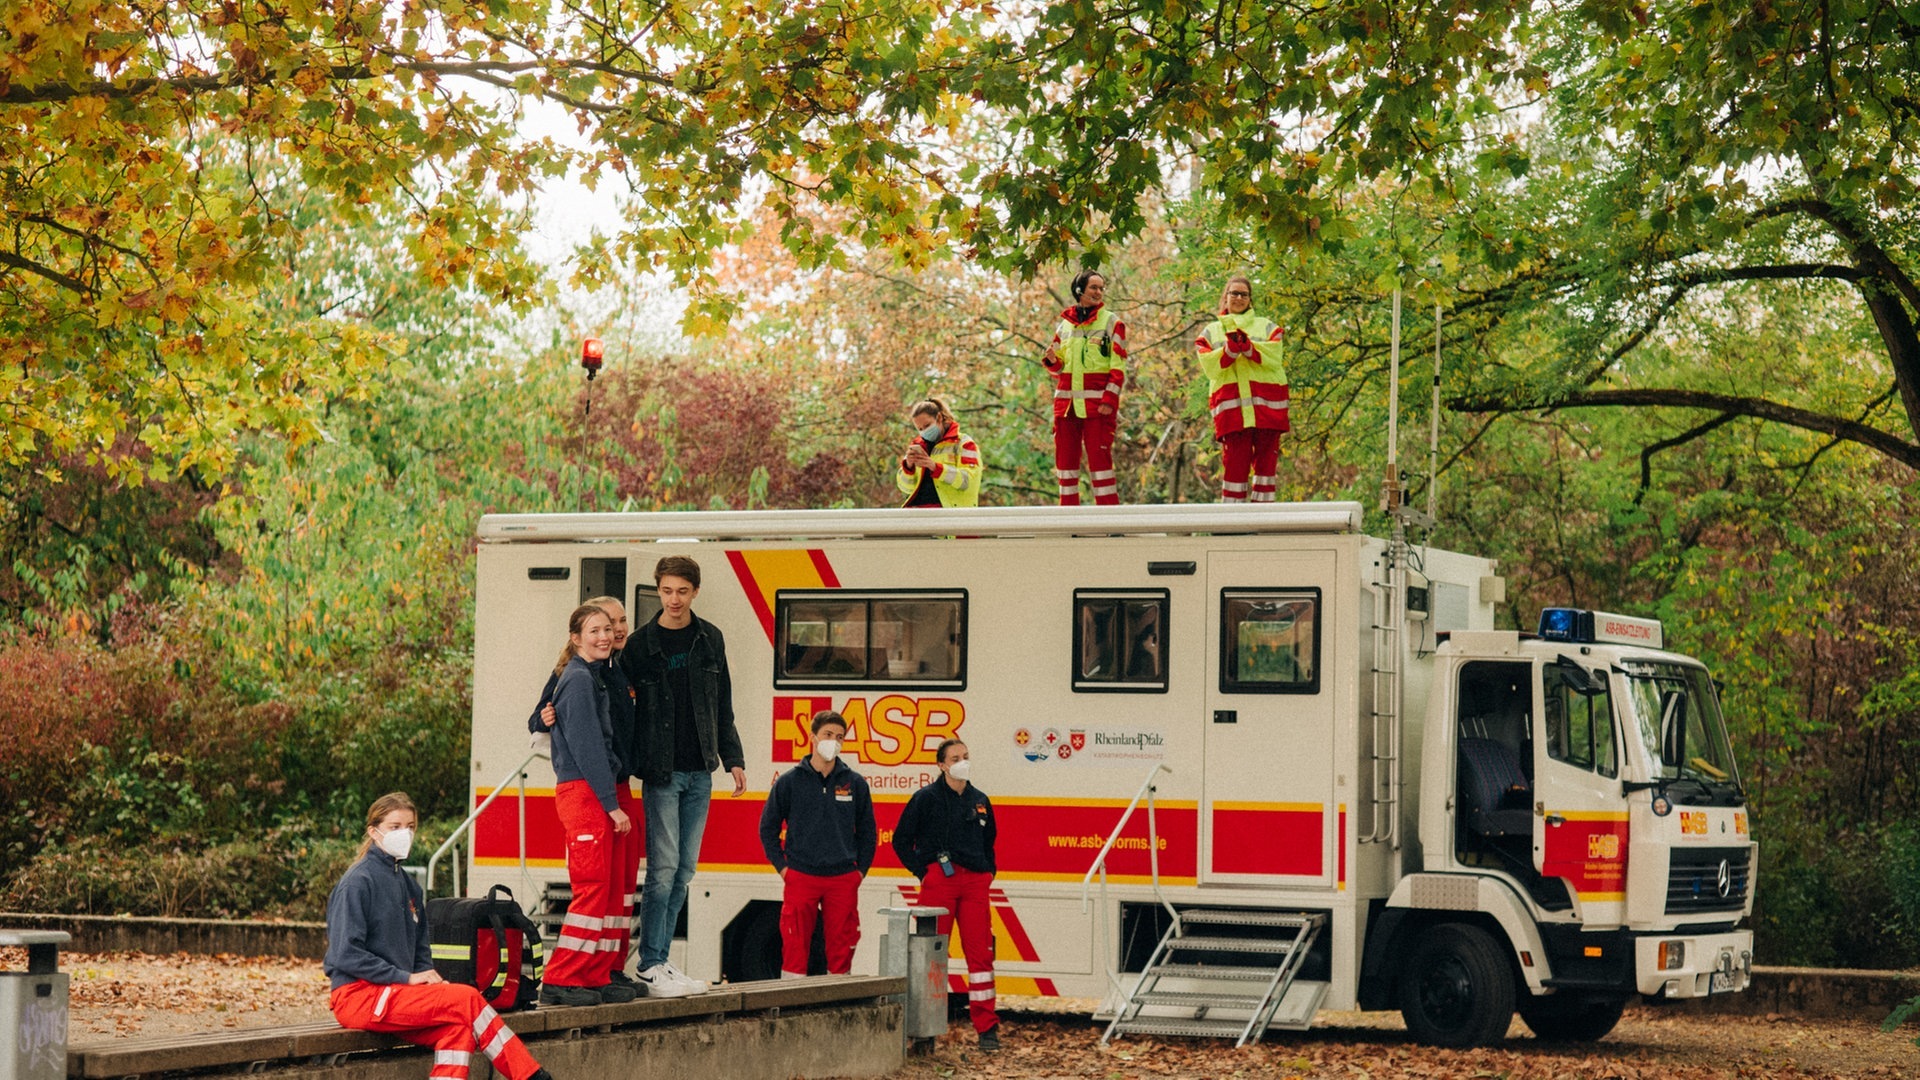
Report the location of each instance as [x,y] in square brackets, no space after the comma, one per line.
[697,986]
[660,981]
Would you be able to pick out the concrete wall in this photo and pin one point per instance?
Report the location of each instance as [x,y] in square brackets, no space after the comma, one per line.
[115,933]
[1814,992]
[855,1040]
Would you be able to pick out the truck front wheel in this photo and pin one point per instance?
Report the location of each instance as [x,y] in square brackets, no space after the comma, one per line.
[1456,988]
[1563,1018]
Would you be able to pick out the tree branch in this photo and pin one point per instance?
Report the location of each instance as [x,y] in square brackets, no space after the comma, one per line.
[1687,436]
[496,72]
[8,258]
[1862,246]
[1906,453]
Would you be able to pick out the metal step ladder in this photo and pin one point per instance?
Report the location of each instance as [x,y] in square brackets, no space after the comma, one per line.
[554,901]
[1186,989]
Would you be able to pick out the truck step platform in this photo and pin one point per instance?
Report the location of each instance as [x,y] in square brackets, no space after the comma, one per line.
[1188,1007]
[1220,972]
[1222,944]
[1196,999]
[1206,1029]
[1244,917]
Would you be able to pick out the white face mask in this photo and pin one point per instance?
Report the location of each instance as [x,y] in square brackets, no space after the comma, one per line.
[397,843]
[828,749]
[932,432]
[961,770]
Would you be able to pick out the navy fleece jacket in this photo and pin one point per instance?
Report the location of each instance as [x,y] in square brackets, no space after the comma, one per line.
[376,924]
[583,744]
[829,821]
[619,707]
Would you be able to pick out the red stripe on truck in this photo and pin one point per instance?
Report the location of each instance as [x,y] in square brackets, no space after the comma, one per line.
[1044,839]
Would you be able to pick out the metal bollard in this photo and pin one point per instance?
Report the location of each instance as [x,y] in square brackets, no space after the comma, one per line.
[33,1009]
[913,948]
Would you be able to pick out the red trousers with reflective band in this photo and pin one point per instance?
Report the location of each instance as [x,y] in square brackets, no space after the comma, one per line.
[578,958]
[1255,449]
[809,899]
[1096,432]
[965,896]
[451,1018]
[617,937]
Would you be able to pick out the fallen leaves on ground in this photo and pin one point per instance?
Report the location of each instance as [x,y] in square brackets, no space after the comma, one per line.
[124,994]
[1649,1044]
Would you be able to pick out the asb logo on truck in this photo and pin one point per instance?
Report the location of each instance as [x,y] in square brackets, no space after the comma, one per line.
[890,730]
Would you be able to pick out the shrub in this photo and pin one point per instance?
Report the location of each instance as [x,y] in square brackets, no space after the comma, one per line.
[285,872]
[1847,899]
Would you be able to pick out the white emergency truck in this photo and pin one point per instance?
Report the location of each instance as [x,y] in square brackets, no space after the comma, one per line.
[1248,762]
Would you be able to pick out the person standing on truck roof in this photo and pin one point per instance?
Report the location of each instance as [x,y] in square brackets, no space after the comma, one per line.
[587,766]
[942,465]
[380,960]
[827,812]
[1087,360]
[683,731]
[616,937]
[1240,352]
[945,838]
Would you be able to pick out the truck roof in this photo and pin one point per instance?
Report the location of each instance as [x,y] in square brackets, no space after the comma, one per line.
[1180,519]
[1524,643]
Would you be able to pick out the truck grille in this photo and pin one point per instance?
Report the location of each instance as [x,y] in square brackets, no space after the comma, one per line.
[1695,880]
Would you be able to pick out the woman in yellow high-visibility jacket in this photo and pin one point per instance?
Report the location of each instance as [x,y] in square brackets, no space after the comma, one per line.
[942,465]
[1087,360]
[1240,352]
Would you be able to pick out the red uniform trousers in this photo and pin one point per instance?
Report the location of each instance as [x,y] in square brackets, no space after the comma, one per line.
[806,900]
[1255,449]
[578,958]
[1096,433]
[628,847]
[964,895]
[450,1017]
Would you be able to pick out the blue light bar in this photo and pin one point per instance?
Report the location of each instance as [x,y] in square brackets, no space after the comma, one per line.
[1566,624]
[1582,627]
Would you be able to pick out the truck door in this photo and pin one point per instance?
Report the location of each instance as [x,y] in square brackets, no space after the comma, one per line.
[1580,824]
[1267,814]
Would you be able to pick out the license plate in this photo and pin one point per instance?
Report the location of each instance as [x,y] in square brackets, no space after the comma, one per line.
[1722,982]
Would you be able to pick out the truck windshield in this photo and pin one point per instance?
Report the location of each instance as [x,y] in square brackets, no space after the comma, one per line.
[1677,716]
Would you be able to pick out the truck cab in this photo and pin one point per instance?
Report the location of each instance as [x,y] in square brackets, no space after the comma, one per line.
[1583,835]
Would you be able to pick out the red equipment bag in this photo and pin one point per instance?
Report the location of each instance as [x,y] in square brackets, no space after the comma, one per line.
[488,943]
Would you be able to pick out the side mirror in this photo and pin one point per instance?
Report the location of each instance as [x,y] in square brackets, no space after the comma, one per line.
[1578,678]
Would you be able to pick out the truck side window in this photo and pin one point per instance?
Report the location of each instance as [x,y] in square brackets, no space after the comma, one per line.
[1270,641]
[883,639]
[1120,641]
[1580,727]
[646,604]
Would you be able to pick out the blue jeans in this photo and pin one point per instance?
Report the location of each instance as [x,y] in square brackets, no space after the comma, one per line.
[676,819]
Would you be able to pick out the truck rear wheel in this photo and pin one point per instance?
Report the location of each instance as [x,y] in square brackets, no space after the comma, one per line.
[1563,1018]
[1456,987]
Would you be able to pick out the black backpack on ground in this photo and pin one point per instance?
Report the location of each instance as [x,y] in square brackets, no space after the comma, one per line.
[488,943]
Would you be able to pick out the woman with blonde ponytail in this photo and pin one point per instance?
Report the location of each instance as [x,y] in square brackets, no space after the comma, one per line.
[589,771]
[381,965]
[942,465]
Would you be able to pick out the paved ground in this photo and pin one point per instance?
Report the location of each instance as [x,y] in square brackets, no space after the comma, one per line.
[126,994]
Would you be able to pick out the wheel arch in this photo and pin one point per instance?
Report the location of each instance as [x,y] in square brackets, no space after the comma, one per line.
[1421,901]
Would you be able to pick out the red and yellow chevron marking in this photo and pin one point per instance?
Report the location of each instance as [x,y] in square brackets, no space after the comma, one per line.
[1010,942]
[763,573]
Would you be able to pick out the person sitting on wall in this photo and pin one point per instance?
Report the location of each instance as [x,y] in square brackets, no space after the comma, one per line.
[380,960]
